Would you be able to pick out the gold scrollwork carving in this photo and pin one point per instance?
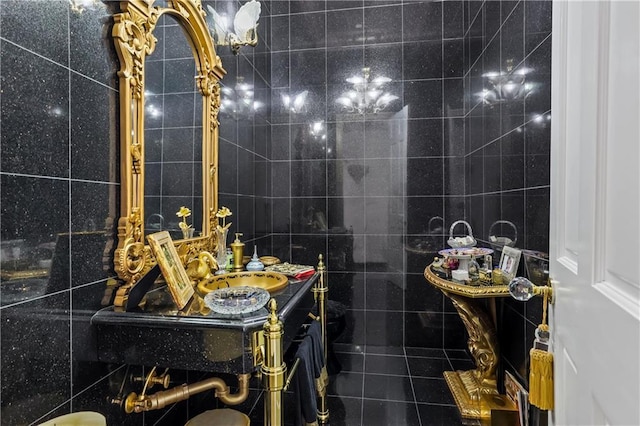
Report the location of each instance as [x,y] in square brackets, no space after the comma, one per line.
[134,258]
[462,289]
[212,172]
[134,32]
[215,105]
[134,40]
[136,157]
[134,231]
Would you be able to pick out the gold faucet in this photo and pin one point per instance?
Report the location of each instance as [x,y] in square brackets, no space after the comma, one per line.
[164,379]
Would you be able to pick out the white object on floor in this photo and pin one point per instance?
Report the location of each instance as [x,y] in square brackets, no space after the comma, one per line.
[220,416]
[81,418]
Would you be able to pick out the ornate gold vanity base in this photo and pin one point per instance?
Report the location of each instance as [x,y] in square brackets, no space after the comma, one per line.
[474,400]
[475,391]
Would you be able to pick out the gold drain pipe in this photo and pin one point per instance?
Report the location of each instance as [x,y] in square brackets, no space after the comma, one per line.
[138,404]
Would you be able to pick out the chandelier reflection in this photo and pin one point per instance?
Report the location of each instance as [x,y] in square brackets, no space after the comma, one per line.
[505,86]
[367,95]
[295,104]
[239,101]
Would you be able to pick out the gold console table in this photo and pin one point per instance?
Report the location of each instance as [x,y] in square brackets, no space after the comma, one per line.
[475,391]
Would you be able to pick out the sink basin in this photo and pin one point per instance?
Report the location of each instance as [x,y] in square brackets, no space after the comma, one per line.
[270,281]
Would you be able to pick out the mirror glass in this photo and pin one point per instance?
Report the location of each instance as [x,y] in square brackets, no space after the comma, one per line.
[173,133]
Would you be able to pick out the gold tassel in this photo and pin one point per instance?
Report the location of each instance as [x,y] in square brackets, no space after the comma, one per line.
[541,370]
[541,379]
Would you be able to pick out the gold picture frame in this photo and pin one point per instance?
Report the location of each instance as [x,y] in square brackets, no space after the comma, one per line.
[175,275]
[509,261]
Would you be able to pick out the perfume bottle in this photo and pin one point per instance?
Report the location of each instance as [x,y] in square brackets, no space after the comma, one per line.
[229,260]
[485,271]
[474,271]
[255,264]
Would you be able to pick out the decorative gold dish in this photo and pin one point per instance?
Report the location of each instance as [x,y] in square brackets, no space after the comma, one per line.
[270,281]
[269,260]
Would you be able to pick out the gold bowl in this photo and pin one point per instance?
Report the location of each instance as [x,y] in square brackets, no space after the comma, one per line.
[270,281]
[269,260]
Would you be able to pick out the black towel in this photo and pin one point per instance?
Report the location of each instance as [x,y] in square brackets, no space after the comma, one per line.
[315,332]
[304,384]
[311,375]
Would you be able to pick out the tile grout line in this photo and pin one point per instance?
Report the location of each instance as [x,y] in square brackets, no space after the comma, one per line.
[413,389]
[69,212]
[1,80]
[364,290]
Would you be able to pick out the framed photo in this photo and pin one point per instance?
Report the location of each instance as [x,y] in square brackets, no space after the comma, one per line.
[518,396]
[509,262]
[174,273]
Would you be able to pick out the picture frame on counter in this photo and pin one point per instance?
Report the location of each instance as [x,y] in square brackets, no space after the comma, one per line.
[175,275]
[509,261]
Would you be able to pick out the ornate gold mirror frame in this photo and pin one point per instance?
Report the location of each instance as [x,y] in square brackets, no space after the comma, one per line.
[134,40]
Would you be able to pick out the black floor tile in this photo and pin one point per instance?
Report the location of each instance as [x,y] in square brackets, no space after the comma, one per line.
[393,388]
[346,384]
[382,364]
[347,347]
[385,350]
[382,386]
[425,352]
[351,362]
[439,415]
[344,411]
[432,391]
[390,413]
[462,364]
[428,367]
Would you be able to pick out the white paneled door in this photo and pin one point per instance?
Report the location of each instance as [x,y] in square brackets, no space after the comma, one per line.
[595,203]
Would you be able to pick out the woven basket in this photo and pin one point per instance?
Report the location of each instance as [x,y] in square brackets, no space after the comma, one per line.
[497,242]
[459,242]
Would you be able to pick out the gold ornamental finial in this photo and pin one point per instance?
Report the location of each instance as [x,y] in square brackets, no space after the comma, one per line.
[273,307]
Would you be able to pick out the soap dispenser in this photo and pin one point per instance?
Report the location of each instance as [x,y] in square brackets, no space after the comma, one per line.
[255,264]
[237,247]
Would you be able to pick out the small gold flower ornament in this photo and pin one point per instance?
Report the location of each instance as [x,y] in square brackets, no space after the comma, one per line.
[184,213]
[223,213]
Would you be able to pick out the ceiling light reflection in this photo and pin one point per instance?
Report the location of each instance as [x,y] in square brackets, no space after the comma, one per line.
[367,96]
[505,86]
[295,103]
[238,101]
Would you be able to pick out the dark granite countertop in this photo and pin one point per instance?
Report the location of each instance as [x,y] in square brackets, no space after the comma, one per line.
[194,339]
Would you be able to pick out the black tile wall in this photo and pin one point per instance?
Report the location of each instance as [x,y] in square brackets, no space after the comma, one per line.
[59,190]
[507,153]
[365,184]
[245,136]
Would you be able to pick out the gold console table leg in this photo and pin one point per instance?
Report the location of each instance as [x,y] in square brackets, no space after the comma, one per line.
[475,391]
[273,367]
